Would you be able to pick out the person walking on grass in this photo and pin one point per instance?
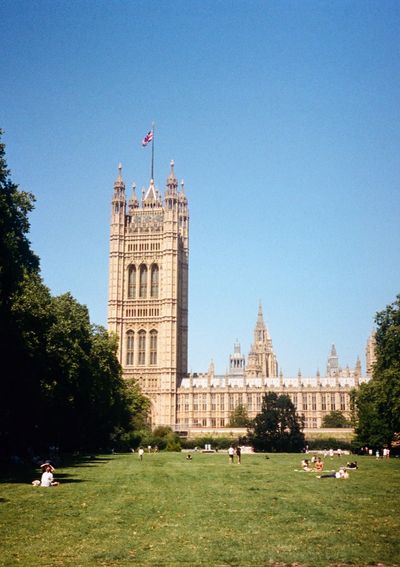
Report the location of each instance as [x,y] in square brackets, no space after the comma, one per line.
[231,452]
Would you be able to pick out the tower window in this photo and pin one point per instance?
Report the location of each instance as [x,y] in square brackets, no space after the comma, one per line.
[153,347]
[154,280]
[130,339]
[143,281]
[132,282]
[142,348]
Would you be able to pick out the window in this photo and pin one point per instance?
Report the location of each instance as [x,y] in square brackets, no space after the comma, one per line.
[333,404]
[154,281]
[304,401]
[153,347]
[131,282]
[143,281]
[313,402]
[130,336]
[142,348]
[342,401]
[323,402]
[195,402]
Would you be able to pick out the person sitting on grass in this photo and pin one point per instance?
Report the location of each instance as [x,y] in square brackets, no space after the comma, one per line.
[305,464]
[319,464]
[342,473]
[189,457]
[47,478]
[352,465]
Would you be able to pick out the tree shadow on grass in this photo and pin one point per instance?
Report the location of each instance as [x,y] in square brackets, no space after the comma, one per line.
[22,473]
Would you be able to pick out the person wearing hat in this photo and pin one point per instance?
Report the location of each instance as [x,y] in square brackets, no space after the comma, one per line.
[47,478]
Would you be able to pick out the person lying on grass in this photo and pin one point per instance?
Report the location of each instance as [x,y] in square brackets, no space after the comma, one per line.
[341,473]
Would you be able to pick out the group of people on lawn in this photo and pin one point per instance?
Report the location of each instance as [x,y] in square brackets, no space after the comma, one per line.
[317,465]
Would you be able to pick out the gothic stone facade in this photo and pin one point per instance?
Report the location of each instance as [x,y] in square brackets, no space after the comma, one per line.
[148,310]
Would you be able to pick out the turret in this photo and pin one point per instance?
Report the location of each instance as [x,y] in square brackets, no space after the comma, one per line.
[262,348]
[332,367]
[171,193]
[133,201]
[118,201]
[357,372]
[236,360]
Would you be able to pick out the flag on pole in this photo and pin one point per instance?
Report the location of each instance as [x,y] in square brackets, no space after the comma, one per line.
[148,138]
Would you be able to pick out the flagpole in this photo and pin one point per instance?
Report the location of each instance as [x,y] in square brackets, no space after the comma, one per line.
[152,153]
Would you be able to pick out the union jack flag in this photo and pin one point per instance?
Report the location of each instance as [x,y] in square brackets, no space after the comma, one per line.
[148,138]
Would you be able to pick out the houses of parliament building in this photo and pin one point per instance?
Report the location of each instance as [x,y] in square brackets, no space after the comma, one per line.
[148,311]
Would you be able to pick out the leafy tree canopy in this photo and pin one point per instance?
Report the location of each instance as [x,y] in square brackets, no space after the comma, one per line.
[64,385]
[377,403]
[335,419]
[277,427]
[239,417]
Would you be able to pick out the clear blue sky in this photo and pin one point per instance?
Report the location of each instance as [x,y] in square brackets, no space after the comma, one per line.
[282,117]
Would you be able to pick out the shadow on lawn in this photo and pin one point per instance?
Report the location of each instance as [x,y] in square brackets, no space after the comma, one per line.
[24,473]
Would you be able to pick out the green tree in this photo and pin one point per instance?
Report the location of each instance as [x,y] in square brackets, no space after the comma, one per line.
[65,383]
[239,417]
[377,403]
[20,329]
[277,427]
[335,419]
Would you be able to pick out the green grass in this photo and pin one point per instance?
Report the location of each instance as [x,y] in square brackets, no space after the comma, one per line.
[166,511]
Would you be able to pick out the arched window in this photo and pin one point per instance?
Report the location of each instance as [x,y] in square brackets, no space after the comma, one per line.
[153,347]
[143,281]
[131,282]
[154,280]
[142,348]
[130,342]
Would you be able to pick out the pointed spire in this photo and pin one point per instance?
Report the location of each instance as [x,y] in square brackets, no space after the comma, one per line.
[133,201]
[172,182]
[260,317]
[119,182]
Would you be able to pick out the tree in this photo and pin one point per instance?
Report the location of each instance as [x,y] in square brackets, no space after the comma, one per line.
[21,315]
[377,403]
[277,427]
[239,417]
[64,384]
[335,419]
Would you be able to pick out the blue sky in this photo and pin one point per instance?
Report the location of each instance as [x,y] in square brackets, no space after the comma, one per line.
[283,119]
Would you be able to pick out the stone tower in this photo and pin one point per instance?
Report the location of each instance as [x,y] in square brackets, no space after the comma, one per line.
[262,359]
[148,290]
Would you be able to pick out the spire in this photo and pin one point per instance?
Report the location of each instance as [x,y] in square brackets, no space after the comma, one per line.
[118,200]
[133,201]
[333,362]
[260,318]
[119,182]
[172,182]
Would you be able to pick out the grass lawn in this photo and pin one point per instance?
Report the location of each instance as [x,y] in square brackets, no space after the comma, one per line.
[115,510]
